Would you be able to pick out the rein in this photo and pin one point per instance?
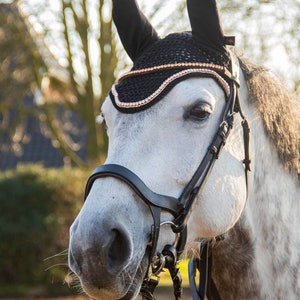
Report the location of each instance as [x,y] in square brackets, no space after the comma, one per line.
[182,207]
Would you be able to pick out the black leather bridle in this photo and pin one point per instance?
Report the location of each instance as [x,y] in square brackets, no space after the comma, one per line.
[182,207]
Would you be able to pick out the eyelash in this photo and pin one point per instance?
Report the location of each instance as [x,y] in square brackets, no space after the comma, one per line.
[199,113]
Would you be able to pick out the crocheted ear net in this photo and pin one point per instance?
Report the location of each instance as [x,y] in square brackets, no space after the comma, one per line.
[175,48]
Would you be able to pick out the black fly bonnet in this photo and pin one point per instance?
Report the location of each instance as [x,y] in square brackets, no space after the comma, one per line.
[159,64]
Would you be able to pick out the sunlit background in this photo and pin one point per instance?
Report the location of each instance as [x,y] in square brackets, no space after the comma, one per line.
[58,60]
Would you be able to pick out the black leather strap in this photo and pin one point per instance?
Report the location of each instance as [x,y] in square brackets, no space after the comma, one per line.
[197,183]
[207,287]
[204,267]
[112,170]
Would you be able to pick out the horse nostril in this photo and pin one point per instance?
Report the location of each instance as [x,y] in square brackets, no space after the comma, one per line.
[118,250]
[102,252]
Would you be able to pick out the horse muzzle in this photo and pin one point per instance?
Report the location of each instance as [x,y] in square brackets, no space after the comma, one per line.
[108,243]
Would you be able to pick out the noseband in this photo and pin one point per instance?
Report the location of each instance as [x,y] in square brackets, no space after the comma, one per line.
[182,207]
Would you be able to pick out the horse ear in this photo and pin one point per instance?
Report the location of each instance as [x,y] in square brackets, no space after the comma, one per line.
[135,31]
[206,25]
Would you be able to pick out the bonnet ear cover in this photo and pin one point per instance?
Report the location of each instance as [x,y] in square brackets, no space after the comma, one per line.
[160,63]
[206,26]
[135,31]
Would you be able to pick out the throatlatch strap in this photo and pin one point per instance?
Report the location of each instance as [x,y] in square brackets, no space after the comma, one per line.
[207,287]
[204,267]
[247,160]
[201,264]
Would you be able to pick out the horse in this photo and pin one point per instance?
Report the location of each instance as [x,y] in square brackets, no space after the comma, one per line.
[181,179]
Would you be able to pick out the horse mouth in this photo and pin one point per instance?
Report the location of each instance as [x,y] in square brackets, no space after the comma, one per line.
[129,284]
[137,281]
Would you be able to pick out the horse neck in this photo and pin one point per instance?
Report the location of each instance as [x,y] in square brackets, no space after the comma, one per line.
[259,258]
[273,212]
[273,207]
[268,233]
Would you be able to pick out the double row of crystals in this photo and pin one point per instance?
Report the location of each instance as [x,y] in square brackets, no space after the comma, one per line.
[202,68]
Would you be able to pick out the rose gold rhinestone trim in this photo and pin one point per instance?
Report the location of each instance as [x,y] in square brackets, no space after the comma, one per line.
[147,100]
[171,66]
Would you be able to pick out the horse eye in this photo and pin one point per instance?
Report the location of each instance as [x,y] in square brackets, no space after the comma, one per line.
[200,112]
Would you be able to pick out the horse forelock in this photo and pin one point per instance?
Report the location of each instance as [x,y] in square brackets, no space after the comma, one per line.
[279,111]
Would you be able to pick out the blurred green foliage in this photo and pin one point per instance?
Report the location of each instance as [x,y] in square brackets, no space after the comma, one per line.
[37,206]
